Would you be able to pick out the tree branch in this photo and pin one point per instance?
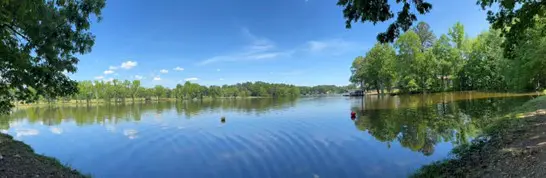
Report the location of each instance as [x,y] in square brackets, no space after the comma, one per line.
[16,32]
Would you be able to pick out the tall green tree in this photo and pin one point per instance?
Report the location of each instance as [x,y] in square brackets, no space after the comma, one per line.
[135,85]
[358,71]
[40,40]
[425,34]
[448,60]
[380,69]
[409,55]
[159,91]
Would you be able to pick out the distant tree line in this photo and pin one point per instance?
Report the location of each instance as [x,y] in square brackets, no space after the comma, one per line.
[120,91]
[418,62]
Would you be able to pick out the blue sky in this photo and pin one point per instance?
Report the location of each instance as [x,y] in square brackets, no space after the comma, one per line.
[215,42]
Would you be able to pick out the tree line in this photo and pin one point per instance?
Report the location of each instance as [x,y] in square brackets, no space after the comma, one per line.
[419,62]
[120,91]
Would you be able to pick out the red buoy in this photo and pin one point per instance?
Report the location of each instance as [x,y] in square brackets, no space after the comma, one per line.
[353,115]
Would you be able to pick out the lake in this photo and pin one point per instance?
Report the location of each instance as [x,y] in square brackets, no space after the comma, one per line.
[392,136]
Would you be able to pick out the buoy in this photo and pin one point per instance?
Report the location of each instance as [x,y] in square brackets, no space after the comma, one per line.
[223,119]
[353,115]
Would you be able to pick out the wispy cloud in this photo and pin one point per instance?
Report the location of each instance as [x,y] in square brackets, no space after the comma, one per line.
[99,77]
[191,79]
[157,78]
[112,68]
[138,77]
[259,49]
[217,70]
[129,64]
[108,72]
[178,68]
[332,46]
[164,71]
[108,80]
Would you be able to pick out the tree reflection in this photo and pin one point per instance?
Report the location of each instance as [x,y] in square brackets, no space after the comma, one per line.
[112,114]
[422,121]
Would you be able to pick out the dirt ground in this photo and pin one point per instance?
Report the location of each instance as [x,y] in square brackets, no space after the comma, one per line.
[19,160]
[517,151]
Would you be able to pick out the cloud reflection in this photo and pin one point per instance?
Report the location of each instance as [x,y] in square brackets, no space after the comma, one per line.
[56,130]
[26,132]
[130,133]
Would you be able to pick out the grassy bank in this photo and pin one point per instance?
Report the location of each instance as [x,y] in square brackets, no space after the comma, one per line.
[19,160]
[513,146]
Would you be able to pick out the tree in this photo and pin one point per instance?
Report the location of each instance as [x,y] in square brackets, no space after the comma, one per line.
[513,18]
[485,64]
[358,71]
[380,68]
[40,40]
[85,90]
[527,71]
[159,91]
[135,85]
[448,60]
[379,11]
[409,53]
[425,35]
[457,35]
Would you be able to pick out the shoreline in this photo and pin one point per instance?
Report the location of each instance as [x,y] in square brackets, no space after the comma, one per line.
[18,159]
[513,146]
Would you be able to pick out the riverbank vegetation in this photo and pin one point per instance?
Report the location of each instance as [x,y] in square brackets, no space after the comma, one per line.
[132,91]
[510,146]
[19,160]
[418,62]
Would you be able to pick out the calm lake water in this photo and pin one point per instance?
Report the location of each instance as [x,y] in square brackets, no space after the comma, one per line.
[304,137]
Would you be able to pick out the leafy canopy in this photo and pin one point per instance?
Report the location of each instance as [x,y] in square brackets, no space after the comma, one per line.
[380,11]
[512,17]
[39,41]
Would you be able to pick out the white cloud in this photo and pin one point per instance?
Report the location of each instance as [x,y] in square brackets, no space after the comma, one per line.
[157,78]
[56,130]
[191,79]
[221,79]
[99,77]
[178,69]
[129,64]
[138,77]
[258,49]
[108,72]
[164,71]
[112,68]
[4,131]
